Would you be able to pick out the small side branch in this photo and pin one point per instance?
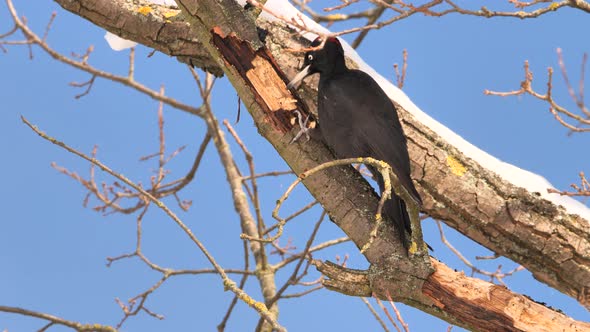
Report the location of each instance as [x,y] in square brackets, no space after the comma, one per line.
[344,280]
[496,275]
[569,119]
[579,190]
[54,320]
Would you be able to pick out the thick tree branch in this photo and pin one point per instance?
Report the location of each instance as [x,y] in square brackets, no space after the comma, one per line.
[161,28]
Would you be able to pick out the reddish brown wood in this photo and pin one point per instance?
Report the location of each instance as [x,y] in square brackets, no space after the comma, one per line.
[265,79]
[490,307]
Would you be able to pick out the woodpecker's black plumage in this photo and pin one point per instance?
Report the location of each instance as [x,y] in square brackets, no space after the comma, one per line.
[357,119]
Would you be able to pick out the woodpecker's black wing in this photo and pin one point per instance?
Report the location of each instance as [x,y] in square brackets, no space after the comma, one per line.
[357,119]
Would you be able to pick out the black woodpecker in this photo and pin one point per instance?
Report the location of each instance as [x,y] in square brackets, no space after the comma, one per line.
[357,119]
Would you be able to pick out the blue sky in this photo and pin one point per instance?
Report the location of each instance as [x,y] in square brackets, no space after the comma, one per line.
[53,249]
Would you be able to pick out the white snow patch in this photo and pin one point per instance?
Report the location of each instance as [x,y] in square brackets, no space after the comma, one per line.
[164,2]
[117,43]
[517,176]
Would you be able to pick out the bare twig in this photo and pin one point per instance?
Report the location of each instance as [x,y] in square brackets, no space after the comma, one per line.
[318,247]
[403,9]
[137,303]
[88,84]
[266,174]
[177,185]
[387,314]
[234,301]
[293,216]
[580,190]
[112,196]
[345,3]
[54,320]
[557,110]
[303,293]
[398,315]
[250,161]
[131,70]
[375,314]
[295,277]
[401,78]
[497,275]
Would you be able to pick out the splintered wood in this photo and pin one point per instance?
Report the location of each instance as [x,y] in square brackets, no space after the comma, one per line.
[477,303]
[271,88]
[265,79]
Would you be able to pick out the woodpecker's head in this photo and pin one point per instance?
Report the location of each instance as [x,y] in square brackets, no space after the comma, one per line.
[326,60]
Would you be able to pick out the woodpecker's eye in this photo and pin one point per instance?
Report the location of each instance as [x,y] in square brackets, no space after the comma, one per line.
[310,57]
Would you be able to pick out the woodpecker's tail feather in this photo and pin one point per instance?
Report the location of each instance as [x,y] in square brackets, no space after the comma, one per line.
[395,210]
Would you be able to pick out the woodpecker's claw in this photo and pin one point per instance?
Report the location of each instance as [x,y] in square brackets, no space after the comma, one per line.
[304,130]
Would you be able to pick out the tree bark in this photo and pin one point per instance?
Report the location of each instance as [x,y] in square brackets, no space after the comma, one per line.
[512,222]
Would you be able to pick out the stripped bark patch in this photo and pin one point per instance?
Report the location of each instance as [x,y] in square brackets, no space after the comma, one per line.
[265,79]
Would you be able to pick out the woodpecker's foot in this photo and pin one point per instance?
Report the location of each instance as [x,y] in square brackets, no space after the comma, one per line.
[303,128]
[262,33]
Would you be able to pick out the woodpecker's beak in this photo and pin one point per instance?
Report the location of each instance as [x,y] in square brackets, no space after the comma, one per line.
[299,77]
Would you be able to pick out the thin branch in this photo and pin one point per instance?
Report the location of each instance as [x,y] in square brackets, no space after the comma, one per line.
[374,17]
[292,216]
[497,275]
[401,78]
[294,278]
[318,247]
[88,84]
[303,293]
[54,320]
[234,301]
[250,161]
[387,314]
[557,110]
[176,186]
[131,70]
[375,314]
[266,174]
[112,196]
[137,303]
[398,314]
[48,27]
[580,190]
